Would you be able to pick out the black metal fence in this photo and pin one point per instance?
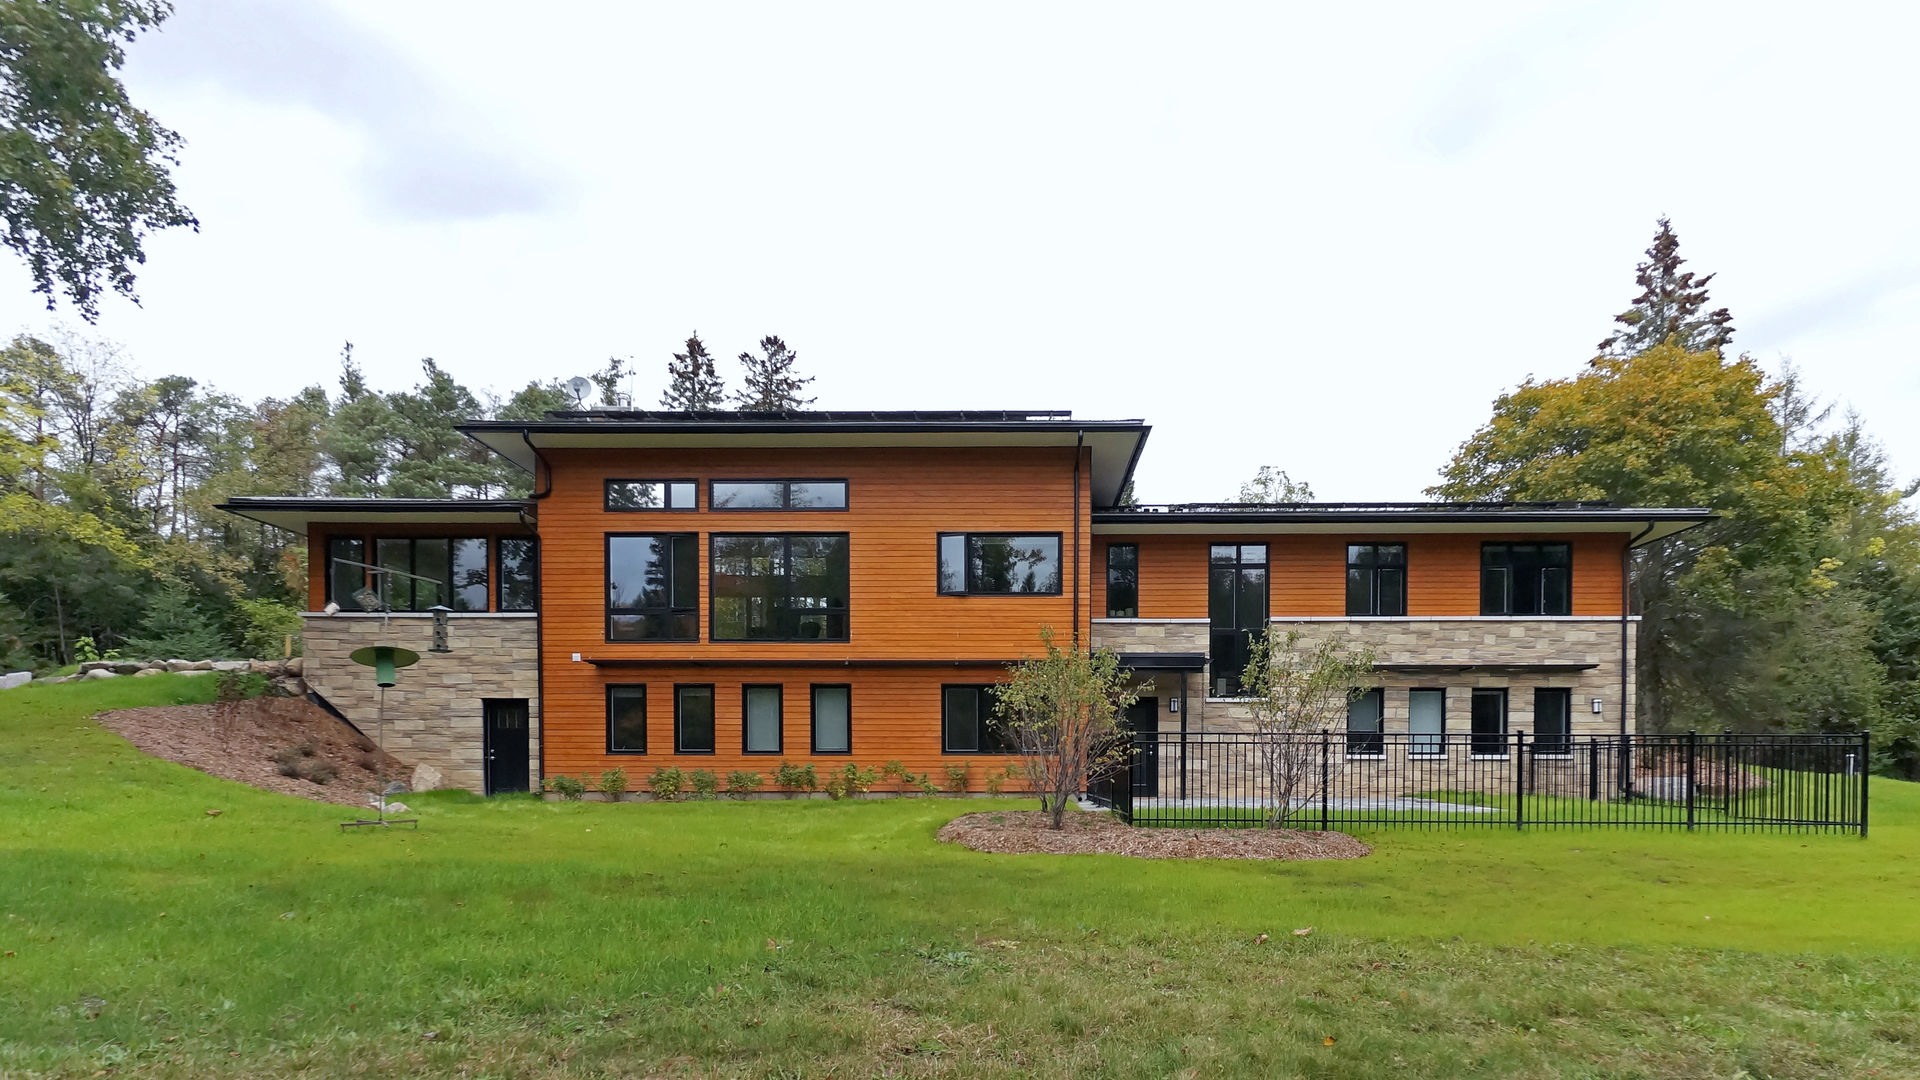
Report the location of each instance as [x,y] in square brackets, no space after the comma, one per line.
[1359,781]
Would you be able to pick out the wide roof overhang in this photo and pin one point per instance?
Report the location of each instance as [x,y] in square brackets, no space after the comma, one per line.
[1115,444]
[296,514]
[1643,525]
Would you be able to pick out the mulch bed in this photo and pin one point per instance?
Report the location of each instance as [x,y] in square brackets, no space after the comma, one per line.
[1022,832]
[242,745]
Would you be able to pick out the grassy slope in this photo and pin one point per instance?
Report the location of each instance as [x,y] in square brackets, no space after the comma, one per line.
[585,939]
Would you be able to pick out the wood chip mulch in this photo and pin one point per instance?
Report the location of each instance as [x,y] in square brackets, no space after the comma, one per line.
[242,747]
[1021,832]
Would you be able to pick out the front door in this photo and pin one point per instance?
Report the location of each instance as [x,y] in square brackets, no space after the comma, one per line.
[1143,723]
[506,744]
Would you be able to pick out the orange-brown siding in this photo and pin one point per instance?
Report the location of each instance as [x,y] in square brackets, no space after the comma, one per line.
[1308,572]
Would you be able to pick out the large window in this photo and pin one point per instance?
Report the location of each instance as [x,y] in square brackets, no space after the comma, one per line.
[626,719]
[779,587]
[693,719]
[1236,609]
[999,564]
[456,569]
[760,719]
[1526,579]
[653,587]
[966,722]
[1489,722]
[517,561]
[1123,581]
[777,495]
[344,581]
[1552,720]
[832,718]
[1365,713]
[629,495]
[1427,722]
[1376,579]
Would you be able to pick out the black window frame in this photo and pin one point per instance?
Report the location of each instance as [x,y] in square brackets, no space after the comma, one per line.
[1375,573]
[1558,744]
[989,739]
[500,574]
[967,577]
[679,719]
[1368,744]
[346,602]
[786,495]
[785,609]
[1510,577]
[1478,741]
[413,567]
[666,507]
[645,717]
[1217,634]
[813,717]
[672,610]
[1129,611]
[1439,747]
[779,717]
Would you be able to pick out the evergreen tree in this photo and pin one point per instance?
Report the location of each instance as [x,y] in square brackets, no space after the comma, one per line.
[692,383]
[176,629]
[358,440]
[770,384]
[1670,305]
[431,459]
[608,380]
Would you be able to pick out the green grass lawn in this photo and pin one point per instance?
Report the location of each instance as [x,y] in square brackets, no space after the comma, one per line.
[139,936]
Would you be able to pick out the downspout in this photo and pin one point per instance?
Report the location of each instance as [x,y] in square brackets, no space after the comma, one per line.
[536,496]
[539,611]
[1626,607]
[1079,441]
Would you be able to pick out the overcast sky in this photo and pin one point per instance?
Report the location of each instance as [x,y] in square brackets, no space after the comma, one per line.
[1322,237]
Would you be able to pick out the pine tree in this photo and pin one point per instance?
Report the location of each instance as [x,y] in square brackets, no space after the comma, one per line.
[770,384]
[692,383]
[608,380]
[1670,305]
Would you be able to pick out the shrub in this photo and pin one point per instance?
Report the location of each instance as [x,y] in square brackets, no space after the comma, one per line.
[85,651]
[174,626]
[705,783]
[926,785]
[613,784]
[264,628]
[896,770]
[666,783]
[998,780]
[567,787]
[850,780]
[319,772]
[959,778]
[742,783]
[796,777]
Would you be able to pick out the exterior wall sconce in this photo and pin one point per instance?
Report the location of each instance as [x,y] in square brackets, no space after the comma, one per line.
[1596,706]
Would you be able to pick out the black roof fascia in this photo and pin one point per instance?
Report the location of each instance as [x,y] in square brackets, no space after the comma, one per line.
[1402,512]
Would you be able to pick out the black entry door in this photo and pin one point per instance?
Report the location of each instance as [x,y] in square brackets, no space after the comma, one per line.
[1143,721]
[506,726]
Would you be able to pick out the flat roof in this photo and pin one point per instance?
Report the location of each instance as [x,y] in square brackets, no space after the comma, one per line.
[1115,444]
[296,513]
[1646,523]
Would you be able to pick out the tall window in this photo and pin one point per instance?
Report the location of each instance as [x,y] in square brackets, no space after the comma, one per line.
[1365,713]
[456,569]
[626,719]
[966,722]
[1236,609]
[1490,721]
[344,581]
[1526,579]
[653,587]
[1376,579]
[777,495]
[518,563]
[760,719]
[999,564]
[693,719]
[779,587]
[1427,722]
[1123,581]
[630,495]
[1553,720]
[832,718]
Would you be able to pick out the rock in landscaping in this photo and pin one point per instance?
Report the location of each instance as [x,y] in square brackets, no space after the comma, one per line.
[149,671]
[94,665]
[265,667]
[126,667]
[98,673]
[181,665]
[296,666]
[287,686]
[427,778]
[398,808]
[228,665]
[15,678]
[398,787]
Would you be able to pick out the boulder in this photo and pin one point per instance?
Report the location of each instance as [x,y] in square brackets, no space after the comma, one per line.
[398,808]
[427,778]
[99,673]
[182,665]
[296,666]
[265,667]
[15,678]
[126,667]
[95,665]
[398,787]
[149,671]
[287,686]
[228,665]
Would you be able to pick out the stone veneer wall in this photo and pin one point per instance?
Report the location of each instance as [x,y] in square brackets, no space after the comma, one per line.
[433,712]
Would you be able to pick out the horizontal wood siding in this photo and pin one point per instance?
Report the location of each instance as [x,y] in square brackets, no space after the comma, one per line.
[899,501]
[1308,572]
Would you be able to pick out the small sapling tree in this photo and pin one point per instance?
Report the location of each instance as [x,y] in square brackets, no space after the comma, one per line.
[1299,689]
[1060,712]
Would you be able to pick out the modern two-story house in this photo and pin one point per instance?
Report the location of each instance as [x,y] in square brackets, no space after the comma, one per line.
[728,591]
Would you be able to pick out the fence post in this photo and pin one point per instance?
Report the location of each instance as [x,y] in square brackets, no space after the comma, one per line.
[1593,768]
[1693,755]
[1864,773]
[1519,779]
[1726,772]
[1325,779]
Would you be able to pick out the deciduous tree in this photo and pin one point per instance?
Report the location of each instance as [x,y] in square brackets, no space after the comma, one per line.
[1273,485]
[1297,690]
[1060,712]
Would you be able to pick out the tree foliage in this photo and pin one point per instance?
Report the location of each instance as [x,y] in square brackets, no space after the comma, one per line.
[1061,713]
[1671,306]
[1297,690]
[1272,485]
[768,381]
[692,383]
[83,172]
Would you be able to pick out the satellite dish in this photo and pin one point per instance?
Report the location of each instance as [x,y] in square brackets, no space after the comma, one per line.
[579,387]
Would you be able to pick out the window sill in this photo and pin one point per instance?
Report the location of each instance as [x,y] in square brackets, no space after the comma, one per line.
[1229,700]
[1430,756]
[1364,757]
[1490,757]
